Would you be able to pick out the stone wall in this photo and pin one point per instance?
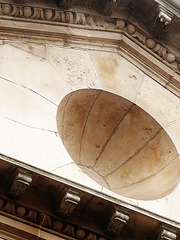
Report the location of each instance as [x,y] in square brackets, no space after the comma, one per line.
[36,75]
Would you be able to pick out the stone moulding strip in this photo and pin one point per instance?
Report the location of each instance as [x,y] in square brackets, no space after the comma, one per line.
[40,219]
[60,17]
[50,176]
[151,66]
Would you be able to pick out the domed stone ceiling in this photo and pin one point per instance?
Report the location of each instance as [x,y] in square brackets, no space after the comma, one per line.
[118,144]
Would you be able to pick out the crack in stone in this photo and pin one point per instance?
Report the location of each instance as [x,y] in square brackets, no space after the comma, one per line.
[173,122]
[112,134]
[144,179]
[13,44]
[59,167]
[137,152]
[81,165]
[106,183]
[43,129]
[100,91]
[20,85]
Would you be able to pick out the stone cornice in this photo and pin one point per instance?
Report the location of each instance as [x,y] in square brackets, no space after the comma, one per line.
[88,21]
[88,30]
[172,5]
[40,219]
[95,217]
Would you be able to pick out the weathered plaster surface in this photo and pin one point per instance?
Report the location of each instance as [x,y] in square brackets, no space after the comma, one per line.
[33,82]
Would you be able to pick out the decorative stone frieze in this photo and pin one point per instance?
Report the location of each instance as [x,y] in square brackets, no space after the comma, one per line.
[117,221]
[160,50]
[44,220]
[106,7]
[167,233]
[47,221]
[65,4]
[20,183]
[37,13]
[69,202]
[90,22]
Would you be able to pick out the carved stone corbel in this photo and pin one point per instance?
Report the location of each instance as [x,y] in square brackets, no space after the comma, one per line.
[106,7]
[20,184]
[167,233]
[161,22]
[68,203]
[117,221]
[65,4]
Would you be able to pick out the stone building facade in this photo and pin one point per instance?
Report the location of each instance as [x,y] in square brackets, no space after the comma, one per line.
[90,119]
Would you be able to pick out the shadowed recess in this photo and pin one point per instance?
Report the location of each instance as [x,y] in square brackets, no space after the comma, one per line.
[118,144]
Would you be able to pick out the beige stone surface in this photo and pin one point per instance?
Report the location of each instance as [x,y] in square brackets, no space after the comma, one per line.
[24,106]
[35,78]
[119,145]
[38,50]
[72,172]
[36,147]
[104,115]
[158,102]
[142,171]
[70,122]
[31,70]
[135,131]
[94,175]
[116,74]
[75,67]
[173,129]
[166,177]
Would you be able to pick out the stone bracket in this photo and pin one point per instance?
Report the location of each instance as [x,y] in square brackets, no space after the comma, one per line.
[20,184]
[106,7]
[117,221]
[162,20]
[65,4]
[69,202]
[167,233]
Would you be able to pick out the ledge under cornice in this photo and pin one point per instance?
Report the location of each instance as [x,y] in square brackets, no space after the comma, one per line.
[75,219]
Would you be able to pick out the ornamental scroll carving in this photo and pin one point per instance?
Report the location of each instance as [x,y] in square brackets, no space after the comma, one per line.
[68,203]
[36,13]
[47,221]
[117,221]
[167,233]
[90,22]
[21,182]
